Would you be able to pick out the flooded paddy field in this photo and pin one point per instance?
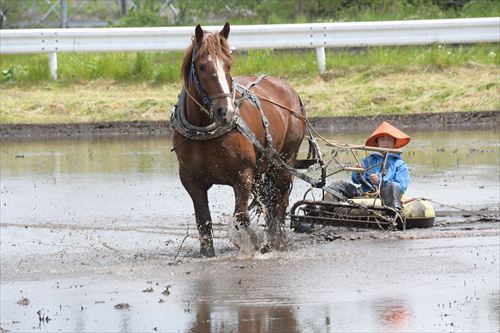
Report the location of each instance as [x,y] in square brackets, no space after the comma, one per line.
[99,236]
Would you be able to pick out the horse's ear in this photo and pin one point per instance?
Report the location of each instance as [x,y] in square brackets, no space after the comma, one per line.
[198,32]
[225,31]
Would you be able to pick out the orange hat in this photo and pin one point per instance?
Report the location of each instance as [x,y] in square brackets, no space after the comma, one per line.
[386,129]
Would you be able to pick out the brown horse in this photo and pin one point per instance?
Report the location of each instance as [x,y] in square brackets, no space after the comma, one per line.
[232,159]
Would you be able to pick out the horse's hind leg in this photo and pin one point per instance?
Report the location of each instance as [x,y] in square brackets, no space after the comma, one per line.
[276,203]
[242,190]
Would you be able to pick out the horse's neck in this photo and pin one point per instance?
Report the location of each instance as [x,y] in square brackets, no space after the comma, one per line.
[194,114]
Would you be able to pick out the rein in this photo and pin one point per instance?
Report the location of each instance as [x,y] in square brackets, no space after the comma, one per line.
[202,108]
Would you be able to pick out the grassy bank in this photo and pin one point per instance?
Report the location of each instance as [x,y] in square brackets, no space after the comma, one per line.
[135,86]
[164,67]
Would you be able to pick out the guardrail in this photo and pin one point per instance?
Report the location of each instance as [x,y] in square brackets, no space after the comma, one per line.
[276,36]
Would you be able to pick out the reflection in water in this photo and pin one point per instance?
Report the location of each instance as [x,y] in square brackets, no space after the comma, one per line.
[214,316]
[203,323]
[432,151]
[124,322]
[494,305]
[266,319]
[103,156]
[87,181]
[80,321]
[394,314]
[121,189]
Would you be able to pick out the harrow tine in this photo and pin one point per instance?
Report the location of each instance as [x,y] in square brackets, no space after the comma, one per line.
[345,214]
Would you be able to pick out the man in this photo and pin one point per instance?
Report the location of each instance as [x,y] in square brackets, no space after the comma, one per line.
[392,181]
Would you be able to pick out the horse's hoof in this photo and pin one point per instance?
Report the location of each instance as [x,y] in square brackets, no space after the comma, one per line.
[207,253]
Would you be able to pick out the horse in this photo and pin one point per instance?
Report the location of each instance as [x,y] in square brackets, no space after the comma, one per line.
[229,157]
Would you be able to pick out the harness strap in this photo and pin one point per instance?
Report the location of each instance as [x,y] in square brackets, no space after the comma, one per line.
[181,124]
[221,95]
[192,132]
[272,155]
[265,123]
[194,78]
[248,95]
[256,82]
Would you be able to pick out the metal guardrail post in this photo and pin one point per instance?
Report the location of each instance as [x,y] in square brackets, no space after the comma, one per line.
[321,59]
[53,65]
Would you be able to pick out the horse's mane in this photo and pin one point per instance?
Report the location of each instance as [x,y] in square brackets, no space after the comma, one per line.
[213,44]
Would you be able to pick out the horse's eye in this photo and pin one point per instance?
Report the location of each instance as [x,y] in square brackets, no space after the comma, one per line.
[202,68]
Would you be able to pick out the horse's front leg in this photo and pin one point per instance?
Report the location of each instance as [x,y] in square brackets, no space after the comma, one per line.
[204,224]
[199,196]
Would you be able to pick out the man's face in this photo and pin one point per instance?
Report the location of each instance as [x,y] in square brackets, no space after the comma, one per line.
[386,142]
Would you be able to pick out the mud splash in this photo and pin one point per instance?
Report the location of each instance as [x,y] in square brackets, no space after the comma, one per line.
[247,240]
[88,225]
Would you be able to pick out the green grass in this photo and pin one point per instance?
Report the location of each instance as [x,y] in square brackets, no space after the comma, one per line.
[217,12]
[164,67]
[304,11]
[363,82]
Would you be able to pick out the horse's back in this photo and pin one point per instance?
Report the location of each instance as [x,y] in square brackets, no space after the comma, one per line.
[282,106]
[272,88]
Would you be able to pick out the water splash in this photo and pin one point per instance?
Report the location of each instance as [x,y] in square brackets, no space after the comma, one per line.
[248,240]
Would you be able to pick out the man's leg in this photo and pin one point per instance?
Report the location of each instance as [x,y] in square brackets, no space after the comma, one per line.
[391,194]
[341,190]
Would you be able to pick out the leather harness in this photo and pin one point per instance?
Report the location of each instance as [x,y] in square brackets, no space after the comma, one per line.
[216,129]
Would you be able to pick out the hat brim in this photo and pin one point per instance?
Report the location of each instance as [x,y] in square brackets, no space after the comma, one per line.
[398,142]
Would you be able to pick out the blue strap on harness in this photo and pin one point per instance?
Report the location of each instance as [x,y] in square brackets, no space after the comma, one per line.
[194,78]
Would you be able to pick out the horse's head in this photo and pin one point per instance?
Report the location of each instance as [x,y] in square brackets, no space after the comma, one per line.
[206,67]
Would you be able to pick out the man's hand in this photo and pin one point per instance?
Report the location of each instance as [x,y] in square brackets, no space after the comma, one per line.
[374,178]
[359,165]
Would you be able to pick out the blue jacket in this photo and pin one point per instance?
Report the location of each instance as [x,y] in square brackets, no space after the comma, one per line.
[396,170]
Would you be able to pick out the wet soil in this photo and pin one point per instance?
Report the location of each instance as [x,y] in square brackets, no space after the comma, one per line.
[441,279]
[415,122]
[99,236]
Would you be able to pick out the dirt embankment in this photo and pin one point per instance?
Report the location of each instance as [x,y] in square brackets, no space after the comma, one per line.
[416,122]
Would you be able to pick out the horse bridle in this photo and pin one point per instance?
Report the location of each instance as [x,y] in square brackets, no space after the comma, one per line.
[207,100]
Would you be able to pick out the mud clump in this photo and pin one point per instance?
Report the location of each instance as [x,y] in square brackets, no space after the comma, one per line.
[166,292]
[24,301]
[122,306]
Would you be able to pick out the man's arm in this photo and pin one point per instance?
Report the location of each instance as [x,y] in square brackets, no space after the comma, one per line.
[401,175]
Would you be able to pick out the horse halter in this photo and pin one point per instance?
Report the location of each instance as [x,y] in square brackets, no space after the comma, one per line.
[207,100]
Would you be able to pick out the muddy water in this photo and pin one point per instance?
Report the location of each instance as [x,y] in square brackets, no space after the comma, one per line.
[86,225]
